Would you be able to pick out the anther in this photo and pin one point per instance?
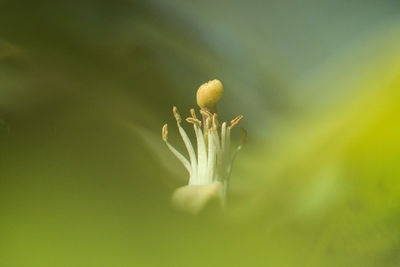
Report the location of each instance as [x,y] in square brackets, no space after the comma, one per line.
[205,113]
[165,132]
[193,121]
[235,121]
[193,113]
[176,114]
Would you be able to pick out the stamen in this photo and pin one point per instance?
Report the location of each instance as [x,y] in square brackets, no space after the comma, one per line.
[193,113]
[235,121]
[228,142]
[181,158]
[177,115]
[193,121]
[218,152]
[177,154]
[206,113]
[165,132]
[188,145]
[206,117]
[215,123]
[223,137]
[201,154]
[211,157]
[208,124]
[223,159]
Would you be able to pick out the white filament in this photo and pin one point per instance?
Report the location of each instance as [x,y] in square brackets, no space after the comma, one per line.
[214,156]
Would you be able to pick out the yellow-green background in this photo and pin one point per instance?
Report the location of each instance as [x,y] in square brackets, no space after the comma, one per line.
[85,87]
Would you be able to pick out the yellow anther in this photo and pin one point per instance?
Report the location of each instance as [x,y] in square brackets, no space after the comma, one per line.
[193,121]
[208,94]
[235,121]
[193,113]
[206,113]
[165,132]
[176,114]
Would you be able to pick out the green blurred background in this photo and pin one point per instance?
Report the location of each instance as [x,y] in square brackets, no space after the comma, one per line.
[85,87]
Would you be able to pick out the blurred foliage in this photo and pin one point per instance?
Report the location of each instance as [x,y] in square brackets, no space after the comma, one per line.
[85,87]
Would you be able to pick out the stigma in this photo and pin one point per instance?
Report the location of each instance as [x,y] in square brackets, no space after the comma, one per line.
[208,95]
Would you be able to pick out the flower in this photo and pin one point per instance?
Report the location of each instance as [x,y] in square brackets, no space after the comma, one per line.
[210,168]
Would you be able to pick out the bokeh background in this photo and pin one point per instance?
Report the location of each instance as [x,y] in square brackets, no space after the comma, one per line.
[85,87]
